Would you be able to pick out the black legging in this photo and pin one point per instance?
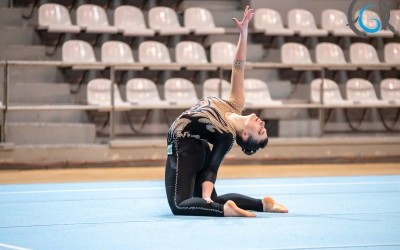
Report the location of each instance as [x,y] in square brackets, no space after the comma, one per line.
[184,191]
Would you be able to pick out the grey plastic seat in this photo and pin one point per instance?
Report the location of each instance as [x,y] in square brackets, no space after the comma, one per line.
[55,18]
[130,21]
[270,23]
[201,22]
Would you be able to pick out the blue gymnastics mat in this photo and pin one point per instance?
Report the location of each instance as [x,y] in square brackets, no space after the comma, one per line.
[324,213]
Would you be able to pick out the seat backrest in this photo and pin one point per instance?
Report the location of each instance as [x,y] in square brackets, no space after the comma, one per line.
[196,17]
[299,19]
[333,19]
[363,53]
[211,88]
[77,51]
[395,19]
[91,15]
[129,17]
[190,52]
[54,14]
[163,17]
[116,52]
[390,89]
[358,89]
[222,52]
[179,90]
[141,90]
[99,92]
[331,91]
[329,53]
[392,53]
[267,19]
[153,52]
[295,53]
[256,90]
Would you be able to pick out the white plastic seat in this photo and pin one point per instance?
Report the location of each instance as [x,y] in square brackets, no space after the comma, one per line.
[361,91]
[257,94]
[295,53]
[335,22]
[180,91]
[190,53]
[164,20]
[130,21]
[329,53]
[392,53]
[395,19]
[143,92]
[390,90]
[201,22]
[55,18]
[332,93]
[116,52]
[153,52]
[302,21]
[93,19]
[222,52]
[76,51]
[363,53]
[270,22]
[368,20]
[211,88]
[99,93]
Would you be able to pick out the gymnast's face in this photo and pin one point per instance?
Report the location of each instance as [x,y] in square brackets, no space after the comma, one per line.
[254,127]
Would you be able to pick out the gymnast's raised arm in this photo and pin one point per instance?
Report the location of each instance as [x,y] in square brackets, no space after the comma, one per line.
[237,78]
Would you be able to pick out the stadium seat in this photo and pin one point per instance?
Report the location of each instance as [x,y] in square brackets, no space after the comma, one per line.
[179,91]
[143,92]
[222,52]
[361,91]
[93,19]
[201,22]
[211,88]
[99,93]
[190,52]
[270,22]
[363,53]
[153,52]
[395,19]
[303,23]
[368,20]
[392,53]
[390,90]
[130,21]
[332,93]
[164,20]
[257,94]
[76,51]
[295,53]
[335,22]
[329,53]
[55,18]
[116,52]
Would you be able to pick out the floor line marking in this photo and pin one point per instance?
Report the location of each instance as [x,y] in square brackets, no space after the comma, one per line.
[217,186]
[13,247]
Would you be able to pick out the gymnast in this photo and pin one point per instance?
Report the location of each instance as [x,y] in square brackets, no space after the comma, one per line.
[191,167]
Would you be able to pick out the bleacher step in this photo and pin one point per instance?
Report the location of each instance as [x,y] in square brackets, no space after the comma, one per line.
[9,16]
[18,36]
[40,93]
[22,52]
[50,133]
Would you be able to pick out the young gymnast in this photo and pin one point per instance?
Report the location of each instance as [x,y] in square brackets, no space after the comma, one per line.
[191,168]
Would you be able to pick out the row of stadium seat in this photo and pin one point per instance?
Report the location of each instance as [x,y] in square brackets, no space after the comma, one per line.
[76,51]
[130,21]
[181,92]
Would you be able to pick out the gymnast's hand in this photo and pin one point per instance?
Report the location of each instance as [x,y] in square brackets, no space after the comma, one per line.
[208,200]
[243,25]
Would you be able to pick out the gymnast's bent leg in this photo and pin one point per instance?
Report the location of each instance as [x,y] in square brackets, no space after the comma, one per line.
[187,159]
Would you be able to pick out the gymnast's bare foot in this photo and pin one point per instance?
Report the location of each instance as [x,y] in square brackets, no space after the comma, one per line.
[270,205]
[231,210]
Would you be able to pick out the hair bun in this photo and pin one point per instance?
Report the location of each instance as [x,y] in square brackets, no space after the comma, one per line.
[248,152]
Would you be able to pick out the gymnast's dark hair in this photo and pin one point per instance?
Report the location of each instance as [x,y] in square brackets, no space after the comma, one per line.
[250,146]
